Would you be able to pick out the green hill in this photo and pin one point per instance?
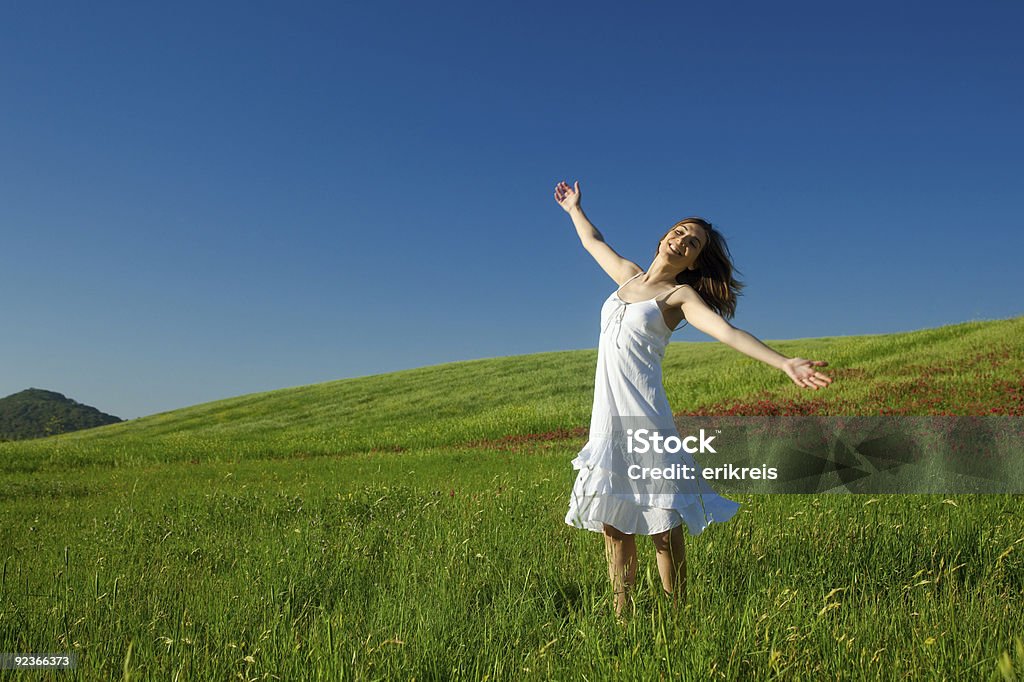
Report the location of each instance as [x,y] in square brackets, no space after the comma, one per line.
[34,413]
[966,368]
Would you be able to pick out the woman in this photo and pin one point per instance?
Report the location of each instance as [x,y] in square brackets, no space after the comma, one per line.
[691,279]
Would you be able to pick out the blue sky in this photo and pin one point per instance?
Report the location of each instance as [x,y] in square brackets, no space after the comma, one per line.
[202,200]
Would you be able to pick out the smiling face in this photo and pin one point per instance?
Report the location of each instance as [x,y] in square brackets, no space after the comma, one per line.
[683,244]
[698,250]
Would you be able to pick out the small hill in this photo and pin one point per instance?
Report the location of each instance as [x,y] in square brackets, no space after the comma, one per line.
[34,413]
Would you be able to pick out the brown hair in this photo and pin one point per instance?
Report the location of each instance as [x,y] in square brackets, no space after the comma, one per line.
[712,276]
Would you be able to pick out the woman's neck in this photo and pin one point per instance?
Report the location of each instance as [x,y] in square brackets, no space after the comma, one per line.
[661,272]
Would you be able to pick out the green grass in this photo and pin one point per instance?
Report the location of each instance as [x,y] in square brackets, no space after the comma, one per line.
[360,529]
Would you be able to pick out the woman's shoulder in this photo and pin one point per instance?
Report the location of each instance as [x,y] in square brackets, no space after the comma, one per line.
[627,273]
[681,294]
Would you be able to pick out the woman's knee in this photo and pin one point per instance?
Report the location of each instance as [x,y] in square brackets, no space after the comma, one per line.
[664,542]
[616,535]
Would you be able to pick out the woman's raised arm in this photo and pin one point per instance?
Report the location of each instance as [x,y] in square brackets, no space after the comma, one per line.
[702,317]
[618,268]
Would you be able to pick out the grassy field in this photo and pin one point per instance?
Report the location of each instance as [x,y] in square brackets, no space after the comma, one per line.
[409,525]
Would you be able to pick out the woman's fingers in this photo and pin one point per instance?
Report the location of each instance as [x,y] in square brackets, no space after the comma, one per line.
[813,381]
[818,381]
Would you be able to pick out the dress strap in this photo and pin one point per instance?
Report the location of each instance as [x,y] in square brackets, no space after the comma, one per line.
[669,293]
[629,280]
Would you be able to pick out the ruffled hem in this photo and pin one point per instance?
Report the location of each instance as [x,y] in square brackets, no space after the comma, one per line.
[600,496]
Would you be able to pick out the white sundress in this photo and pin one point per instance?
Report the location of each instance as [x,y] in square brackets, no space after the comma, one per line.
[628,390]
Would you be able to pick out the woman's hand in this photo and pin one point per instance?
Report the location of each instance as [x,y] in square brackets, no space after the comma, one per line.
[804,375]
[566,196]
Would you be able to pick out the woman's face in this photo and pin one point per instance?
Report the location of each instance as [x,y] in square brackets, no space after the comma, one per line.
[683,244]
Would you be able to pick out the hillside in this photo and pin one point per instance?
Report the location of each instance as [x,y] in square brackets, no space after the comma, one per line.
[969,368]
[34,413]
[413,524]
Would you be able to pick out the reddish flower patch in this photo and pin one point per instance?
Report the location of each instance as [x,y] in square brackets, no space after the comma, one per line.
[517,441]
[915,390]
[387,448]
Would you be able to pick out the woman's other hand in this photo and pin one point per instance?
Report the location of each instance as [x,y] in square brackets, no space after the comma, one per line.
[566,196]
[803,374]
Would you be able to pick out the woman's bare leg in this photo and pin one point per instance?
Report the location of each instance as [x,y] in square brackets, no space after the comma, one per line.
[621,565]
[671,548]
[609,554]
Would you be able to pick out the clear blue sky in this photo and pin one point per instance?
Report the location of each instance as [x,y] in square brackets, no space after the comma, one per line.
[202,200]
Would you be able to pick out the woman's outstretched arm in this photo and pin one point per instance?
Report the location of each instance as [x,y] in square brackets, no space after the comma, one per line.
[800,370]
[617,267]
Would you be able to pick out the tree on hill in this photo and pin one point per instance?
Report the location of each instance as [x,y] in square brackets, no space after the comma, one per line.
[35,413]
